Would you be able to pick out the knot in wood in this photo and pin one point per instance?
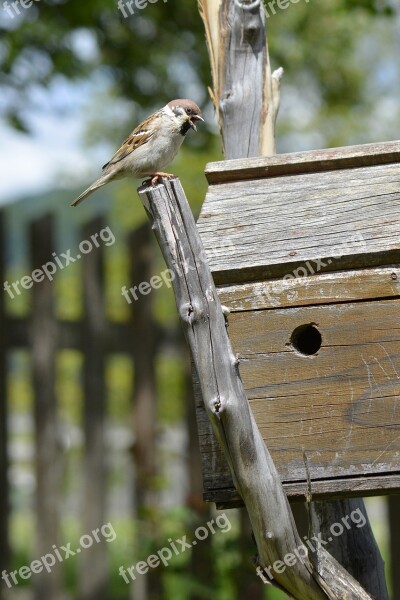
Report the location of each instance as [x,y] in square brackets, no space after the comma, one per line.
[217,405]
[192,312]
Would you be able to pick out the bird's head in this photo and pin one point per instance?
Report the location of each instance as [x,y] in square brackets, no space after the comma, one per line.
[185,112]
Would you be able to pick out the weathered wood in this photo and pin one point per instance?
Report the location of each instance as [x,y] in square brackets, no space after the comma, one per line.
[48,460]
[226,496]
[226,402]
[144,355]
[202,564]
[326,288]
[4,487]
[394,534]
[239,147]
[345,418]
[144,333]
[237,45]
[294,163]
[93,575]
[269,228]
[355,548]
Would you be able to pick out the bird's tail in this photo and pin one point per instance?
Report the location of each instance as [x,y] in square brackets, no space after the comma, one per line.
[95,185]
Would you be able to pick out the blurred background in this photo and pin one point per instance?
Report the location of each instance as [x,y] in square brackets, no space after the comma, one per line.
[112,438]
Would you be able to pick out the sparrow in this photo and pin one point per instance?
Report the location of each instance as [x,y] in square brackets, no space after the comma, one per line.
[151,146]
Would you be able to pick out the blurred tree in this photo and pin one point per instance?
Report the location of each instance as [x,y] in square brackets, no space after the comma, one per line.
[159,52]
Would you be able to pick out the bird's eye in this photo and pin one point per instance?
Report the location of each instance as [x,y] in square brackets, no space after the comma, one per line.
[189,111]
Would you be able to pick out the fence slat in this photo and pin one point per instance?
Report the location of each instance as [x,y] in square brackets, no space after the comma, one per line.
[48,447]
[394,529]
[93,572]
[145,396]
[4,489]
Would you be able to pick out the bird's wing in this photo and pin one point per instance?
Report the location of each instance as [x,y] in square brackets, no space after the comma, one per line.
[139,136]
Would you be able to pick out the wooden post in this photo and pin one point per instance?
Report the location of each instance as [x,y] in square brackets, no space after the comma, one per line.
[356,548]
[44,336]
[93,575]
[4,494]
[144,398]
[252,468]
[144,354]
[245,94]
[246,97]
[394,529]
[201,559]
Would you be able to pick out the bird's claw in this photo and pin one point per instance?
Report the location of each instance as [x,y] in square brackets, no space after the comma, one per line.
[153,180]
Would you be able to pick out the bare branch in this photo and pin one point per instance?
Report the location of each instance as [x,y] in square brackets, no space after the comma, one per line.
[227,406]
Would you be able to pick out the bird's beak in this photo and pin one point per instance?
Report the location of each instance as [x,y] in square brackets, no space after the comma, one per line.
[195,118]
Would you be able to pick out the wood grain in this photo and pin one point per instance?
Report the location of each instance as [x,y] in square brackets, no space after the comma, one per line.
[268,228]
[303,162]
[326,288]
[238,50]
[322,489]
[340,407]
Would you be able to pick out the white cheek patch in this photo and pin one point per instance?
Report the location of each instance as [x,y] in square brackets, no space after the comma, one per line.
[168,111]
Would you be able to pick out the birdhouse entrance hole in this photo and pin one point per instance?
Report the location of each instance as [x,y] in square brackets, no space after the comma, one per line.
[306,339]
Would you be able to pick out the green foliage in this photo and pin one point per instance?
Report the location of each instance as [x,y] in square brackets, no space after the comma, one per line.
[159,51]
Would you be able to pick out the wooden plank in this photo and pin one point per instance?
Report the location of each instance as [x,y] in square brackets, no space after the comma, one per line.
[4,487]
[303,162]
[93,572]
[324,489]
[48,444]
[326,288]
[269,228]
[341,406]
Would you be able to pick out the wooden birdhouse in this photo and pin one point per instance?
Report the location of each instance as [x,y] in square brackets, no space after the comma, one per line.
[305,251]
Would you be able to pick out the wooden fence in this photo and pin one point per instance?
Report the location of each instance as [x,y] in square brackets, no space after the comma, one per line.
[43,335]
[95,337]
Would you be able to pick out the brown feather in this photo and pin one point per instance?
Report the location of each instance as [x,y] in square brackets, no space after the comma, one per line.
[139,136]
